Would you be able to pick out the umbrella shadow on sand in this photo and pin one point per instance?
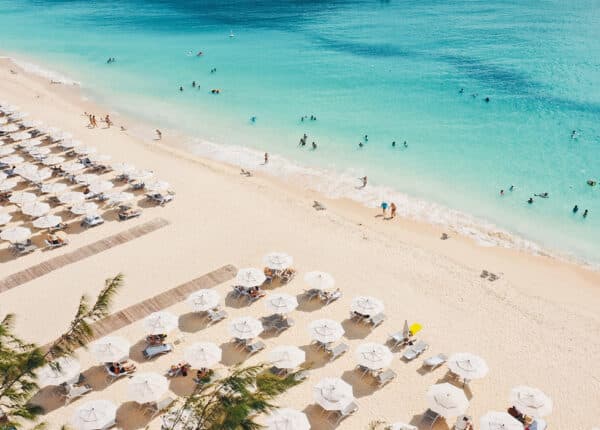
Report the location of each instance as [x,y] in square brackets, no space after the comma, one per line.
[192,322]
[314,356]
[452,379]
[361,387]
[136,352]
[49,398]
[353,330]
[232,301]
[231,354]
[182,386]
[131,416]
[316,418]
[308,305]
[440,424]
[97,378]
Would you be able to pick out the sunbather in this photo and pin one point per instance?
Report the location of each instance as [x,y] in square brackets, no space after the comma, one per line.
[54,239]
[255,292]
[156,339]
[180,368]
[125,367]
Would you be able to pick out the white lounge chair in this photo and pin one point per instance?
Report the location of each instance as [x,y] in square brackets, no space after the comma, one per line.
[435,361]
[430,418]
[216,315]
[385,377]
[73,392]
[336,351]
[155,350]
[350,409]
[255,347]
[415,350]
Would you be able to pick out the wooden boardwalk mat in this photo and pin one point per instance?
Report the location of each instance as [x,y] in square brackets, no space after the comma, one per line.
[79,254]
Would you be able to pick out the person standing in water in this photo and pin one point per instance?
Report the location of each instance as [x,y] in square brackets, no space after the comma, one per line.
[393,210]
[384,207]
[364,180]
[266,157]
[158,134]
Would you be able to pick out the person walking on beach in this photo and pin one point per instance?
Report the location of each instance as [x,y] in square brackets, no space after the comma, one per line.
[384,207]
[364,180]
[107,121]
[158,134]
[314,146]
[94,123]
[393,210]
[266,157]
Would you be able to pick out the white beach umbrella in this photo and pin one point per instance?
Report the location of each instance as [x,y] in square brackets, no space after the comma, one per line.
[157,186]
[9,128]
[6,150]
[8,184]
[468,366]
[3,176]
[88,208]
[39,176]
[123,168]
[147,387]
[5,218]
[87,178]
[57,135]
[53,188]
[118,197]
[71,198]
[15,234]
[7,108]
[31,123]
[373,356]
[21,135]
[53,160]
[12,160]
[161,322]
[325,330]
[21,197]
[47,221]
[245,328]
[278,260]
[447,400]
[402,426]
[319,280]
[36,151]
[26,169]
[70,144]
[204,300]
[281,303]
[333,394]
[85,150]
[499,421]
[99,158]
[3,119]
[94,415]
[250,277]
[35,209]
[64,369]
[287,419]
[140,175]
[72,167]
[47,129]
[28,145]
[531,401]
[101,186]
[16,116]
[202,354]
[367,305]
[287,356]
[110,349]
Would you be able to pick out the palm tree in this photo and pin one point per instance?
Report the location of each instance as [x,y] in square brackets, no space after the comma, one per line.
[19,359]
[232,403]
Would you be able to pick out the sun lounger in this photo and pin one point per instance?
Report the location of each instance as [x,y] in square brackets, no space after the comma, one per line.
[73,392]
[92,221]
[397,339]
[434,362]
[301,375]
[111,376]
[376,320]
[238,291]
[415,350]
[22,249]
[430,418]
[216,316]
[385,377]
[350,409]
[336,351]
[402,427]
[160,199]
[154,350]
[327,297]
[126,214]
[255,347]
[53,245]
[311,294]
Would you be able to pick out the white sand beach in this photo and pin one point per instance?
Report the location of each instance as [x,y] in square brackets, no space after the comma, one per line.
[538,324]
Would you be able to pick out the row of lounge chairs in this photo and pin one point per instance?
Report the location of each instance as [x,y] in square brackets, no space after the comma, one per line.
[250,347]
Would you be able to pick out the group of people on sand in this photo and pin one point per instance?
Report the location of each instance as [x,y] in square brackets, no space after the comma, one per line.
[392,207]
[93,123]
[546,195]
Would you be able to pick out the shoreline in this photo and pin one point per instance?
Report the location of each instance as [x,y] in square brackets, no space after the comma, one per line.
[540,310]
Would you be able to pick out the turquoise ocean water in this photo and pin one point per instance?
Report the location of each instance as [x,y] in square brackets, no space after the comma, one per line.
[388,69]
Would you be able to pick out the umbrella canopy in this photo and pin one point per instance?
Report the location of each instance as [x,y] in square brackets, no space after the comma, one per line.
[18,115]
[447,400]
[53,160]
[72,167]
[94,415]
[53,188]
[8,184]
[250,277]
[110,349]
[101,186]
[6,150]
[12,160]
[21,135]
[70,143]
[5,218]
[39,176]
[367,305]
[401,426]
[35,209]
[28,145]
[60,135]
[161,322]
[64,369]
[333,394]
[118,197]
[202,354]
[140,175]
[9,128]
[37,151]
[47,221]
[499,421]
[26,169]
[71,198]
[287,419]
[20,197]
[278,260]
[319,280]
[531,401]
[87,178]
[287,357]
[281,303]
[204,300]
[467,366]
[373,355]
[325,331]
[123,168]
[31,123]
[15,234]
[245,328]
[89,208]
[157,186]
[3,119]
[147,387]
[85,150]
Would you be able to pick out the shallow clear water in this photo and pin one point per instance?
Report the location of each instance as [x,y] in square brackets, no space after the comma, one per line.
[390,69]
